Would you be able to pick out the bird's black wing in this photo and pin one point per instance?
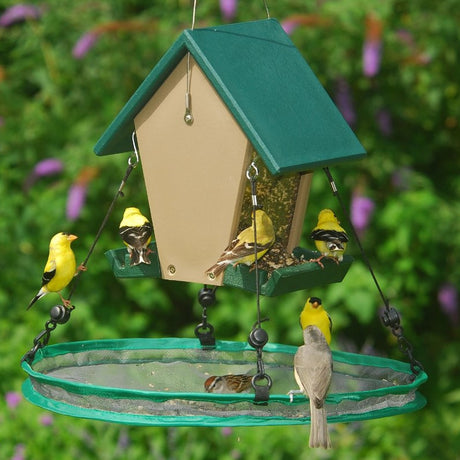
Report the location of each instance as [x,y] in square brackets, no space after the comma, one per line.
[136,236]
[48,276]
[329,235]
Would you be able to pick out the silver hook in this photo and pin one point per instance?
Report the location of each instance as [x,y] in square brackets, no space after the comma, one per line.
[133,160]
[255,172]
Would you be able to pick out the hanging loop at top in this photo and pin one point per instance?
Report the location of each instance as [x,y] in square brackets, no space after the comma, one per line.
[133,160]
[252,173]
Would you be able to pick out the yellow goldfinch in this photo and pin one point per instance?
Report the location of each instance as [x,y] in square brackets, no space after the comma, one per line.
[313,374]
[136,232]
[241,249]
[330,238]
[60,267]
[314,314]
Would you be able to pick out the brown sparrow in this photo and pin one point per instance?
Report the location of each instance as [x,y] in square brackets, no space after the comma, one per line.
[229,383]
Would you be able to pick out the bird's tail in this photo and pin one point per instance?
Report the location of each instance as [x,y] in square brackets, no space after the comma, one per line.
[140,256]
[40,294]
[319,434]
[217,269]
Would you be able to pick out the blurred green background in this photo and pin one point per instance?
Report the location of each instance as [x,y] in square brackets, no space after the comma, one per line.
[68,67]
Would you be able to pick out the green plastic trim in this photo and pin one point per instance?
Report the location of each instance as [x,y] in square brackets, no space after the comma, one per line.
[281,281]
[267,86]
[120,263]
[141,420]
[289,279]
[176,343]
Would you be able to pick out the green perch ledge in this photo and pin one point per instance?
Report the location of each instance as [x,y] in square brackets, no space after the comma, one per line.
[281,280]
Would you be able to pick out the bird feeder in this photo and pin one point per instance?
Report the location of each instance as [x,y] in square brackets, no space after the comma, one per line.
[220,100]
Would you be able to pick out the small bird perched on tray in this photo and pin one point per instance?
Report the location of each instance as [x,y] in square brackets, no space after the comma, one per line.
[241,249]
[60,267]
[136,232]
[313,374]
[230,383]
[330,238]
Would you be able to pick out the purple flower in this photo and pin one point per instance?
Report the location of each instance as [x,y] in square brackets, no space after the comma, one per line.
[344,101]
[13,399]
[227,431]
[372,49]
[77,193]
[361,212]
[19,13]
[384,121]
[372,52]
[75,200]
[46,420]
[84,44]
[448,301]
[47,167]
[289,26]
[19,452]
[228,8]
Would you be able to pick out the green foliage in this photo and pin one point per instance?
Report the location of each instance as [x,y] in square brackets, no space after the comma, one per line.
[56,106]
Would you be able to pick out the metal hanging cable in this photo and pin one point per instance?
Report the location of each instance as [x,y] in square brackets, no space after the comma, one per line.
[60,314]
[258,337]
[390,317]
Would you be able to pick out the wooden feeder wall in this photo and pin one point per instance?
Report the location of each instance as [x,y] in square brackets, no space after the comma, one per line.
[196,181]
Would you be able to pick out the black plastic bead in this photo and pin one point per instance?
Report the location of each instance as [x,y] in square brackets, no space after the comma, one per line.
[390,317]
[207,297]
[258,337]
[60,314]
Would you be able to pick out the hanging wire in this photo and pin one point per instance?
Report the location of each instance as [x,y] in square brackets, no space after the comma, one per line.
[258,337]
[133,161]
[193,14]
[266,9]
[390,317]
[60,314]
[252,173]
[188,117]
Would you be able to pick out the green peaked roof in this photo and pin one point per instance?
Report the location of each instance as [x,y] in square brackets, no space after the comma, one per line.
[268,87]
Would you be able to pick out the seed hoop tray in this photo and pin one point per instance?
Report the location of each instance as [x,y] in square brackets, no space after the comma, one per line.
[160,382]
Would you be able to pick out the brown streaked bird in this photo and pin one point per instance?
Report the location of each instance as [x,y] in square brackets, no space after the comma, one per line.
[230,383]
[241,249]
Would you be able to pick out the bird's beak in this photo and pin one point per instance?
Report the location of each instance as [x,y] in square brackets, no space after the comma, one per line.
[315,302]
[72,238]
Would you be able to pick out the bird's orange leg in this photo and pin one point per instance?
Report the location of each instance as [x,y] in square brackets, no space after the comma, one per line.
[81,268]
[67,304]
[318,261]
